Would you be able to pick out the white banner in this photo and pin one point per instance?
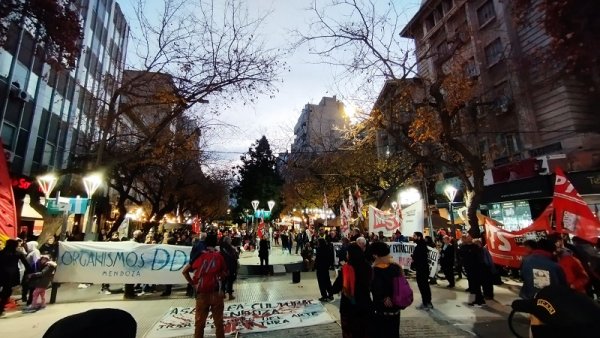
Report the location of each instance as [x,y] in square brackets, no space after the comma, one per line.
[413,218]
[245,318]
[401,252]
[121,262]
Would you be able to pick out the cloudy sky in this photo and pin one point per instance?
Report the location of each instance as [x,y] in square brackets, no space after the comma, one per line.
[306,82]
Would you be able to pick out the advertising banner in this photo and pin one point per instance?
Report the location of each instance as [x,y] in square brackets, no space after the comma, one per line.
[245,318]
[121,262]
[401,252]
[506,247]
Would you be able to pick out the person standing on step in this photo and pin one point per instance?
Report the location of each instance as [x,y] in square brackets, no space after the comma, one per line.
[420,264]
[324,260]
[264,247]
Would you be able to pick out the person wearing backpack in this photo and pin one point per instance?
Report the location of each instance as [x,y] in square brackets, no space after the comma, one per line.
[210,271]
[355,304]
[388,299]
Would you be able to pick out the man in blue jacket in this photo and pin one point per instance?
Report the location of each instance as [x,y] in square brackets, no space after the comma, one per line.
[539,270]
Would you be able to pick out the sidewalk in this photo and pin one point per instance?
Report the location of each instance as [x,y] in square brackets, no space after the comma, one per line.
[452,317]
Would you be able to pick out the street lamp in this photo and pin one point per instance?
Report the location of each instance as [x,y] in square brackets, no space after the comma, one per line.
[450,192]
[91,183]
[47,184]
[255,204]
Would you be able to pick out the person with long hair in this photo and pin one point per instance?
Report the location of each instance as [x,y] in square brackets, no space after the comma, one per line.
[386,315]
[354,281]
[9,270]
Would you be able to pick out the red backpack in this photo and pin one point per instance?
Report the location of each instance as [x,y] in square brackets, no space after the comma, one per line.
[209,268]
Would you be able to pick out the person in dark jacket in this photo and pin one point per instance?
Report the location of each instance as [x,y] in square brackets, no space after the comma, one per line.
[264,246]
[9,270]
[421,266]
[386,315]
[539,270]
[323,260]
[447,260]
[231,259]
[354,282]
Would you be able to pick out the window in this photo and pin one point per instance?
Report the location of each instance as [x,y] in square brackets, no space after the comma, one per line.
[8,136]
[486,13]
[510,143]
[493,52]
[471,68]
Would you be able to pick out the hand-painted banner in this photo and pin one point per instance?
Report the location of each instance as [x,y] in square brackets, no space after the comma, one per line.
[121,262]
[380,220]
[402,254]
[507,247]
[245,318]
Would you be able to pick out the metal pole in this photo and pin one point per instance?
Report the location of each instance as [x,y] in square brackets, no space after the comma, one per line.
[452,225]
[426,200]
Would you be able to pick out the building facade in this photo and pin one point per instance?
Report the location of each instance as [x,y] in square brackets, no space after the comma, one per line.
[535,119]
[49,117]
[320,126]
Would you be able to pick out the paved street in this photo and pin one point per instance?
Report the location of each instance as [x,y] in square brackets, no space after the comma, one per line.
[452,317]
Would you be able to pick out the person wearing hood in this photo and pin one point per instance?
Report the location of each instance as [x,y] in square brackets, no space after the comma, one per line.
[33,256]
[539,270]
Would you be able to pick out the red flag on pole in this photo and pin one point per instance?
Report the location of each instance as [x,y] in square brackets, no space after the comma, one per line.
[573,215]
[8,212]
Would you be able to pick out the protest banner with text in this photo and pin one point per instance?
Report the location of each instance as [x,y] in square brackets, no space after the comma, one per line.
[121,262]
[245,318]
[402,254]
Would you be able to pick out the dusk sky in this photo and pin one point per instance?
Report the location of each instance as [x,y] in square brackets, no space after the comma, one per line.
[306,82]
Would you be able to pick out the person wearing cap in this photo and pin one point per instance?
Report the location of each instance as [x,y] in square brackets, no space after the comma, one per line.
[561,311]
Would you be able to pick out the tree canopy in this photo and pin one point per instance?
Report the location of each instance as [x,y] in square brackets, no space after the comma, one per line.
[258,179]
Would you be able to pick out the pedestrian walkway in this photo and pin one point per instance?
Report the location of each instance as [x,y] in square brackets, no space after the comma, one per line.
[452,317]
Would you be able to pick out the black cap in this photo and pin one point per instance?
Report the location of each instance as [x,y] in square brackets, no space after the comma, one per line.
[561,306]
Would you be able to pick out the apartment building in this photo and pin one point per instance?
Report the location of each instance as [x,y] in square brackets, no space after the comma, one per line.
[534,120]
[320,126]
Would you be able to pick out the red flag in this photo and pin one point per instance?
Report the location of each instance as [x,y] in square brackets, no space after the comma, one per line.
[8,212]
[573,215]
[506,248]
[359,202]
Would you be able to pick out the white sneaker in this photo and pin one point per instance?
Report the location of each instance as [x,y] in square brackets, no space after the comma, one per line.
[82,286]
[106,292]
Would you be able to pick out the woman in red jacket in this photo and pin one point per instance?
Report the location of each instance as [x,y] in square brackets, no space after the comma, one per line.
[574,271]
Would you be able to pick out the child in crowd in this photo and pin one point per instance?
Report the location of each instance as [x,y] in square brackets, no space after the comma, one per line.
[40,281]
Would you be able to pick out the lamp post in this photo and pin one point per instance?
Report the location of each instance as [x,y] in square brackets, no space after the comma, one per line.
[91,183]
[255,204]
[47,184]
[450,192]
